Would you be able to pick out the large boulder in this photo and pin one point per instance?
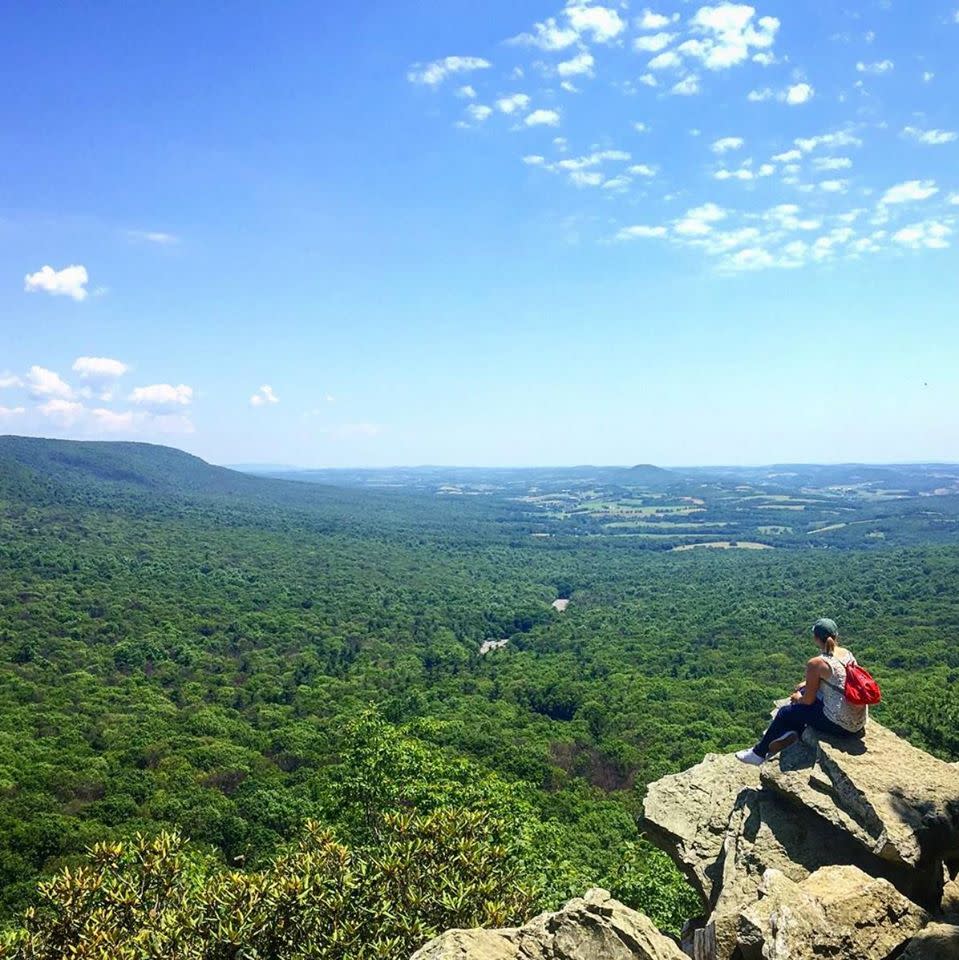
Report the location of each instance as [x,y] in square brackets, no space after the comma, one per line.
[593,927]
[897,801]
[687,814]
[838,912]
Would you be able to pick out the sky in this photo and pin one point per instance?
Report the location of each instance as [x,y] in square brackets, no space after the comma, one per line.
[505,233]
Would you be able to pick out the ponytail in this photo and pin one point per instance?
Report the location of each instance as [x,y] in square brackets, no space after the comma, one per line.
[825,636]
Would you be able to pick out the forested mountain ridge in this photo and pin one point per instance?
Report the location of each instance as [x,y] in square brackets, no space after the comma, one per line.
[202,661]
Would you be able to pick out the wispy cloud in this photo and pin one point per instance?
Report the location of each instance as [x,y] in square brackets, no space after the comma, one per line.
[880,66]
[910,191]
[264,397]
[433,74]
[932,138]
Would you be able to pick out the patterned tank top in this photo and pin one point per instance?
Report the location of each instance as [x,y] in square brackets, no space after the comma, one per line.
[835,706]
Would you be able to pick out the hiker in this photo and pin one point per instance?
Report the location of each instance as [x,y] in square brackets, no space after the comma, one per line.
[819,702]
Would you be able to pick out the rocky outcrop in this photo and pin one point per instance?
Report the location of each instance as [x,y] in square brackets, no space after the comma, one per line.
[824,825]
[845,850]
[587,928]
[834,912]
[900,803]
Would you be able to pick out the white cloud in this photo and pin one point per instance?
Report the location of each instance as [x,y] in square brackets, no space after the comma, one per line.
[666,61]
[7,412]
[834,186]
[639,231]
[542,118]
[640,127]
[648,80]
[764,59]
[602,23]
[642,170]
[954,199]
[99,368]
[433,74]
[9,380]
[928,76]
[479,112]
[64,411]
[467,92]
[931,234]
[699,220]
[655,42]
[534,160]
[42,382]
[687,87]
[930,137]
[264,397]
[162,395]
[512,103]
[724,144]
[798,93]
[583,19]
[743,173]
[842,138]
[751,258]
[654,21]
[112,420]
[759,96]
[881,66]
[910,191]
[155,236]
[789,156]
[583,178]
[617,183]
[577,66]
[832,163]
[548,36]
[592,159]
[69,282]
[728,33]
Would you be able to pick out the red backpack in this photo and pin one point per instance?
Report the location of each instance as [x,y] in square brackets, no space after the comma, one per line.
[860,689]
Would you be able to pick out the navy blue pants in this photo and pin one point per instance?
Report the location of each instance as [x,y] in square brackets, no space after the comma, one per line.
[796,717]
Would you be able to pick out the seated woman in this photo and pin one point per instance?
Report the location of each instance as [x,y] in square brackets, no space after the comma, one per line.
[818,703]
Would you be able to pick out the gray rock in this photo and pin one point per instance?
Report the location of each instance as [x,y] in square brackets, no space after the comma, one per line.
[594,927]
[837,912]
[937,941]
[897,801]
[687,814]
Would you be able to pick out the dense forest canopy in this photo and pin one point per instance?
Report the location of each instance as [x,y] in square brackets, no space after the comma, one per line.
[187,648]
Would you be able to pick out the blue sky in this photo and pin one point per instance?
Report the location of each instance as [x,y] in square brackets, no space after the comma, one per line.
[500,233]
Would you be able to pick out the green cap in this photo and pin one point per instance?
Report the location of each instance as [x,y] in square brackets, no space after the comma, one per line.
[826,626]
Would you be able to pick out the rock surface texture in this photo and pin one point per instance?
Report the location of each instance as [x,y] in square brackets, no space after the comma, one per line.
[837,850]
[587,928]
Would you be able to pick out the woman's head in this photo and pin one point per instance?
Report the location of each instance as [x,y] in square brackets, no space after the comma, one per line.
[826,633]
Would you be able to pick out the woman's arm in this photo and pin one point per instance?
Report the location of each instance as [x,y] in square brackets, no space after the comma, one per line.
[813,676]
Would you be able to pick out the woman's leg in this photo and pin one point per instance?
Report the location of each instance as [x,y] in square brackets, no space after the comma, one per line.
[792,718]
[823,724]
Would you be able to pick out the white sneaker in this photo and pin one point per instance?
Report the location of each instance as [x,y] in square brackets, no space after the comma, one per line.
[751,757]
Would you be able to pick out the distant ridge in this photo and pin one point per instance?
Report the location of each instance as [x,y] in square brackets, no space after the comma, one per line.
[120,463]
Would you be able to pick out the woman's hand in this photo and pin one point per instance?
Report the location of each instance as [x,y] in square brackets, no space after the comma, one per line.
[796,697]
